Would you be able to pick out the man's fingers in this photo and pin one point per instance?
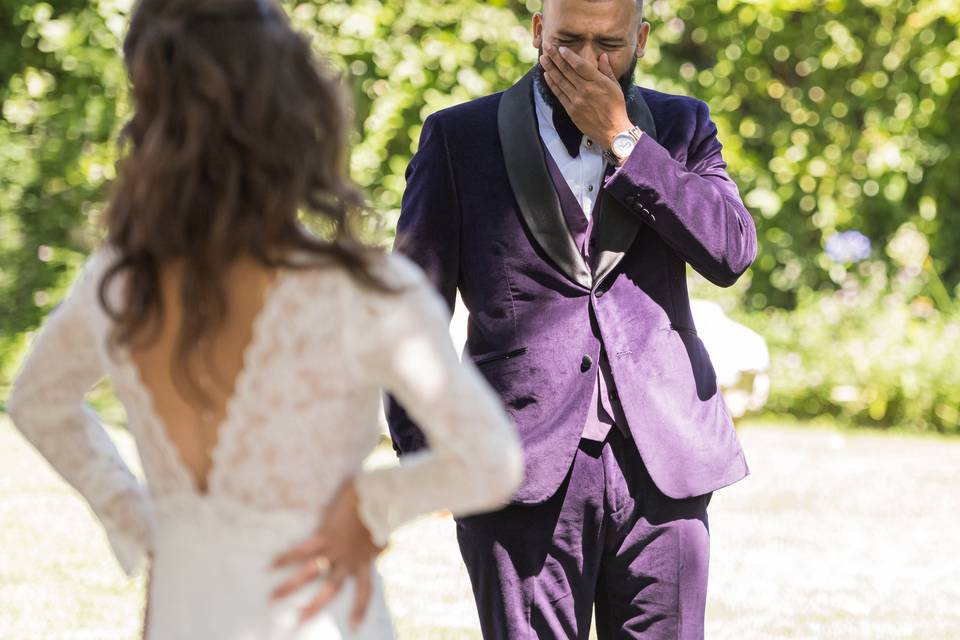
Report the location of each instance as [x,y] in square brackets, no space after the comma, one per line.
[307,549]
[309,572]
[549,76]
[563,66]
[605,68]
[576,64]
[561,87]
[558,91]
[362,598]
[549,65]
[554,75]
[328,592]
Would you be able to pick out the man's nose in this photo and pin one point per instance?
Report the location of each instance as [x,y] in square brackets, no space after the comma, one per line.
[591,53]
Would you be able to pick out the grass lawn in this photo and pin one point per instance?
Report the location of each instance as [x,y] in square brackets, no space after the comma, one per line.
[836,534]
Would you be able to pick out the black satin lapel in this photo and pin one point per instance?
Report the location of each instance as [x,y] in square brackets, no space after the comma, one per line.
[530,180]
[615,232]
[618,226]
[639,113]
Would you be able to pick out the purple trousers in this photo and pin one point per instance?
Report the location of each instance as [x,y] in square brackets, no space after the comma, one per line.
[608,539]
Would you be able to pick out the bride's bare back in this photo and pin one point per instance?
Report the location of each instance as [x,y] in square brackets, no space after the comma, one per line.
[192,427]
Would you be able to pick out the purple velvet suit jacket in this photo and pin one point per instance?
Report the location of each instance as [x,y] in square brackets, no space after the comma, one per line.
[481,215]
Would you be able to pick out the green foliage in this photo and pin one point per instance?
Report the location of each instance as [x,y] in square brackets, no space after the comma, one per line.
[405,59]
[873,353]
[61,84]
[835,115]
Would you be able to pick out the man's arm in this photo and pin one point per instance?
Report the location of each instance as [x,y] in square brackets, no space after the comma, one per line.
[428,232]
[696,208]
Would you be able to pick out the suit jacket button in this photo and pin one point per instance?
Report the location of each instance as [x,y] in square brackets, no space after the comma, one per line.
[586,363]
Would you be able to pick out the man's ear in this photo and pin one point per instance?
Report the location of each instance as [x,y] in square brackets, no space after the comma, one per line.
[537,28]
[642,36]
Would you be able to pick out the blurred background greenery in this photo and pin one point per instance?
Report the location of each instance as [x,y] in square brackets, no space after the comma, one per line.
[840,120]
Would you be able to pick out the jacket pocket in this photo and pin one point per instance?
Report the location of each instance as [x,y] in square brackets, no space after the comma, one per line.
[495,357]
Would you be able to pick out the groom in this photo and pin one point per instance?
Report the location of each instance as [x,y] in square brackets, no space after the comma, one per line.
[565,211]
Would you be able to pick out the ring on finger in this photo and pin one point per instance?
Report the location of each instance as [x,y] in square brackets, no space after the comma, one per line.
[323,565]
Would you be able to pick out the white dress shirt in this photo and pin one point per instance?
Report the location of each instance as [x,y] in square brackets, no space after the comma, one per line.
[584,174]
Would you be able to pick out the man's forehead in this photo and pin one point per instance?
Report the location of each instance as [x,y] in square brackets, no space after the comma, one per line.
[594,5]
[579,16]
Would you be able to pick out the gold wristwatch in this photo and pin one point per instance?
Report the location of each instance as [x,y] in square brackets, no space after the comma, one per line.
[622,146]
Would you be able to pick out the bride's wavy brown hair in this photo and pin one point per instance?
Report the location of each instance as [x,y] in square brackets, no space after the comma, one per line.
[236,128]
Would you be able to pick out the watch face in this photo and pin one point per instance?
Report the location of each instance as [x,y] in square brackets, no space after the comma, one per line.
[623,145]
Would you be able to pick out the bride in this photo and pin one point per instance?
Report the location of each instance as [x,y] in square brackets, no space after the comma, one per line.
[249,353]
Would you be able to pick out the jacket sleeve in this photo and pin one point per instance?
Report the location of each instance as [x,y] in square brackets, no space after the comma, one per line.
[47,406]
[428,232]
[474,462]
[696,208]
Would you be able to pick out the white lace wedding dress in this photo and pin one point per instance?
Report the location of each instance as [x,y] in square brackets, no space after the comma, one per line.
[302,418]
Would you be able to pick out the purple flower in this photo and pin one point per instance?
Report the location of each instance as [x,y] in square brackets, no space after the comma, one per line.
[848,246]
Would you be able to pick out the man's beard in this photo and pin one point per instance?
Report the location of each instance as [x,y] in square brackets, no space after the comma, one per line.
[625,81]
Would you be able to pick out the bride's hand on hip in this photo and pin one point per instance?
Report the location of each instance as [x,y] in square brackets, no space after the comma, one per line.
[340,548]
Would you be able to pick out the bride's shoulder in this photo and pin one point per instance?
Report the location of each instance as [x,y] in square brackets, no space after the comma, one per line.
[94,267]
[394,284]
[100,259]
[380,274]
[381,279]
[397,271]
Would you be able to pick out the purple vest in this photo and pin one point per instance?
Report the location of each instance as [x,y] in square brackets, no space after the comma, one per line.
[605,410]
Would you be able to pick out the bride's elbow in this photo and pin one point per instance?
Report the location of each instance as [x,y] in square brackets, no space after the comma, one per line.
[513,469]
[15,406]
[505,470]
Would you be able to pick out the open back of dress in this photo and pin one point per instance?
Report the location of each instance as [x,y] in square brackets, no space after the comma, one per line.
[299,422]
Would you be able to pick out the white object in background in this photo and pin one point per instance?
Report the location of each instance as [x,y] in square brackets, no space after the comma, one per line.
[739,355]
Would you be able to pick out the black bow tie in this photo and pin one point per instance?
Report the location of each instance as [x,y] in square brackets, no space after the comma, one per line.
[570,135]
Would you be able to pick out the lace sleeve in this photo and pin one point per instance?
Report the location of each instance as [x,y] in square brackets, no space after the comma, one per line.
[474,461]
[47,406]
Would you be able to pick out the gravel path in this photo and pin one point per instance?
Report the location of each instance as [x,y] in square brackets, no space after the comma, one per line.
[834,535]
